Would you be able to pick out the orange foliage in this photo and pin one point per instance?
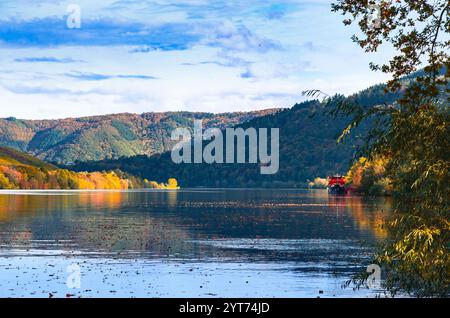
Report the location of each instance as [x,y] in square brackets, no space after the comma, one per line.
[28,177]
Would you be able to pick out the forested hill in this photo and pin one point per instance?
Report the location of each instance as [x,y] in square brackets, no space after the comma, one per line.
[307,149]
[108,136]
[19,170]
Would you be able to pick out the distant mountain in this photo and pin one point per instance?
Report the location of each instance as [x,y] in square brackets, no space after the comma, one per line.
[107,137]
[307,149]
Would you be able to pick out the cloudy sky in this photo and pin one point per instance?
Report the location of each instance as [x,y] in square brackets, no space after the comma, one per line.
[160,55]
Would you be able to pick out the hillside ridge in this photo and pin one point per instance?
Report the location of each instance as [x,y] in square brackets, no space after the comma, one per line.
[64,141]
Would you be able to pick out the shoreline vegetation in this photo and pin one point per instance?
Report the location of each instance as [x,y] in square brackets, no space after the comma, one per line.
[365,177]
[21,171]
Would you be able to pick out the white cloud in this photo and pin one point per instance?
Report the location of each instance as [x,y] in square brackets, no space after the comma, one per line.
[244,59]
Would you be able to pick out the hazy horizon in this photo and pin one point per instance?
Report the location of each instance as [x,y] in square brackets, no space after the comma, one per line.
[142,113]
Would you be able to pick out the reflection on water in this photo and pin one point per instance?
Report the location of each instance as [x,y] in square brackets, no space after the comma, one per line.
[303,241]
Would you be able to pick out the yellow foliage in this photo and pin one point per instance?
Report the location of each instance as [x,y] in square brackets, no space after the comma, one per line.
[4,182]
[318,183]
[368,176]
[172,183]
[19,175]
[29,177]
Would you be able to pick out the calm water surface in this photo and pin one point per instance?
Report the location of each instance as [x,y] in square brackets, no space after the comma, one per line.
[186,243]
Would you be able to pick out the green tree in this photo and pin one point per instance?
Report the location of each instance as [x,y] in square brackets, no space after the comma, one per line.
[412,132]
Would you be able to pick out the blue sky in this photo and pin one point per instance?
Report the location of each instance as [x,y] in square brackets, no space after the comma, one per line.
[161,55]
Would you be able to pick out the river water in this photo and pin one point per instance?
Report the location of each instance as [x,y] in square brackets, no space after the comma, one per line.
[186,243]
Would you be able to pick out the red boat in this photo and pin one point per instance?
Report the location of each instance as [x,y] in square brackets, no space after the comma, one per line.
[336,185]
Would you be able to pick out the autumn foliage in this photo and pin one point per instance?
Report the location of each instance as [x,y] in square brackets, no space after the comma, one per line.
[23,177]
[21,171]
[369,177]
